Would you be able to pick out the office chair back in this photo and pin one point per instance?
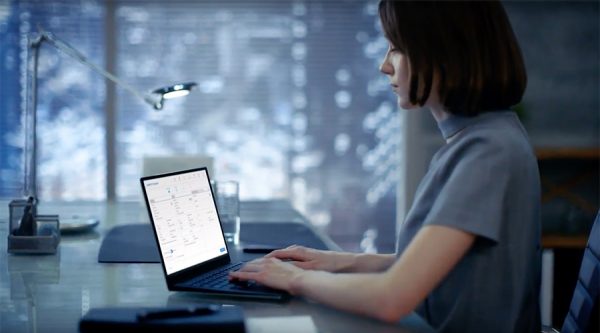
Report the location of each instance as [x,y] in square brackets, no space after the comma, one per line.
[588,283]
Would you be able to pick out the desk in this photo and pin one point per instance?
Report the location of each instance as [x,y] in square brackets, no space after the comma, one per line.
[49,293]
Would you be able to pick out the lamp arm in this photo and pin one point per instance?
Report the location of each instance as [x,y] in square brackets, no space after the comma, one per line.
[63,46]
[156,99]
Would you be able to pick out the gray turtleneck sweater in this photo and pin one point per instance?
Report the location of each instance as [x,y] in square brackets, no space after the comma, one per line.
[484,181]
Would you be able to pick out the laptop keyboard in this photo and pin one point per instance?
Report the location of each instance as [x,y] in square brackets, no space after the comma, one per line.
[218,279]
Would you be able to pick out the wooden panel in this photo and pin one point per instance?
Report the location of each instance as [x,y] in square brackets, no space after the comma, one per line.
[564,242]
[571,153]
[570,198]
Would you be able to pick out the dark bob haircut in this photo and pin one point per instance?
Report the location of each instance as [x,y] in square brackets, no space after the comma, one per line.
[469,45]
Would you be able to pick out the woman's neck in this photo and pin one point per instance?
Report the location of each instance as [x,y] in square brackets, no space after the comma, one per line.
[438,110]
[440,114]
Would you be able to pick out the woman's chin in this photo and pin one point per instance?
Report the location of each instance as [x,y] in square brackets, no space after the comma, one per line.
[405,104]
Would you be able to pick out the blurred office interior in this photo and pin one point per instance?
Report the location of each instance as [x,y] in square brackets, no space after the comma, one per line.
[289,101]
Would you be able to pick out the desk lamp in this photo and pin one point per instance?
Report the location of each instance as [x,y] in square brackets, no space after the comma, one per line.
[155,98]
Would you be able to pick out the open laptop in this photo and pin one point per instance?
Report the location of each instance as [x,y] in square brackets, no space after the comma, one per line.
[193,251]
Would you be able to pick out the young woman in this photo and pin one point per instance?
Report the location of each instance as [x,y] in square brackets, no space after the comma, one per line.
[468,252]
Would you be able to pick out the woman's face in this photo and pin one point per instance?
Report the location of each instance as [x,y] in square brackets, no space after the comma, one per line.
[395,66]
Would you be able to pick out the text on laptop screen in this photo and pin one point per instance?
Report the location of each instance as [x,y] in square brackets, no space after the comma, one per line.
[185,218]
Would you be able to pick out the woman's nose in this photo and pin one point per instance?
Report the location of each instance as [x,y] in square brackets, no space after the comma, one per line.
[386,68]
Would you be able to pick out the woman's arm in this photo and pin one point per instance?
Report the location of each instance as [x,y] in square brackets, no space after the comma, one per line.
[366,262]
[331,261]
[388,296]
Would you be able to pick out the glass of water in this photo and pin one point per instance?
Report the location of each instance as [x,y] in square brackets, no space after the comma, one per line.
[228,204]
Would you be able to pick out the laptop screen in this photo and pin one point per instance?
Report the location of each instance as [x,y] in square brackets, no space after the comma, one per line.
[185,219]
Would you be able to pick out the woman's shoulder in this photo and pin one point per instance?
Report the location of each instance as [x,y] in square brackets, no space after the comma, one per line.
[499,130]
[498,137]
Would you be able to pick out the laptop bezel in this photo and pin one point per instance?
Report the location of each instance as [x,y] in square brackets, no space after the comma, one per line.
[185,274]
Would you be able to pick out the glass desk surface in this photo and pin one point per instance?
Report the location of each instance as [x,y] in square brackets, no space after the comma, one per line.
[50,293]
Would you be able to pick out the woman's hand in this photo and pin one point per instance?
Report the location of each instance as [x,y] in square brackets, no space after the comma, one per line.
[270,272]
[307,258]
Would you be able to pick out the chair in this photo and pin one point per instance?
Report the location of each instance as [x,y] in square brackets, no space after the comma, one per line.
[588,285]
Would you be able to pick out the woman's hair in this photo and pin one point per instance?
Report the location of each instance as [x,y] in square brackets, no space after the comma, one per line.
[468,45]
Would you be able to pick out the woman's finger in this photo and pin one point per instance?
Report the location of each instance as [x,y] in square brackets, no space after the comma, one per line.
[288,253]
[252,266]
[284,253]
[303,264]
[243,275]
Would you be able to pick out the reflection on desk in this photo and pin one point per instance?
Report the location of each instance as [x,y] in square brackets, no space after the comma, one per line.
[50,293]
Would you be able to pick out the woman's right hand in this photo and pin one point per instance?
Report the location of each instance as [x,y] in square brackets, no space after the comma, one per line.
[312,259]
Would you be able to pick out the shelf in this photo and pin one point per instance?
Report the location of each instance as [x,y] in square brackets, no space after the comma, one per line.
[570,175]
[564,242]
[568,153]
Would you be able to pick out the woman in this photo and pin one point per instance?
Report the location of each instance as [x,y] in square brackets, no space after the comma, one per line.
[468,252]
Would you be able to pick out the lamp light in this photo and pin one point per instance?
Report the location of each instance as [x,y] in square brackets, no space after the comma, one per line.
[174,91]
[155,99]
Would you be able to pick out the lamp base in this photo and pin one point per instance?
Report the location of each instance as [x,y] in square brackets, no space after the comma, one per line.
[44,240]
[33,244]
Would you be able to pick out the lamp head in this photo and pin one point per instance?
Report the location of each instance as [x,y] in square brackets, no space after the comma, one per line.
[174,91]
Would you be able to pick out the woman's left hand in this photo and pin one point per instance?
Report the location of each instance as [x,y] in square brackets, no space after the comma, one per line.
[270,272]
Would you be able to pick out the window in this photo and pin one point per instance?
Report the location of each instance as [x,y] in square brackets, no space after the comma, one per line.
[70,97]
[289,102]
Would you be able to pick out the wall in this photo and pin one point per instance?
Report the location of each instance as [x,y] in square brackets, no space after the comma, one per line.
[560,44]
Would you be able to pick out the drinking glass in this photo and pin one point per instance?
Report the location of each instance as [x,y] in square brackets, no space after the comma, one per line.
[228,205]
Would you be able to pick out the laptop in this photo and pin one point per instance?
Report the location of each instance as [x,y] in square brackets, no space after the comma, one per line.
[187,229]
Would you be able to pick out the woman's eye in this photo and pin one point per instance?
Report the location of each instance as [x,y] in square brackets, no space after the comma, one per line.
[393,49]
